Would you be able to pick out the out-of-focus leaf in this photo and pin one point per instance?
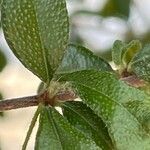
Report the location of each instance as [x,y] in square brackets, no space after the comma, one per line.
[124,109]
[116,7]
[123,53]
[84,119]
[117,52]
[140,64]
[57,134]
[130,50]
[79,58]
[0,6]
[3,61]
[37,33]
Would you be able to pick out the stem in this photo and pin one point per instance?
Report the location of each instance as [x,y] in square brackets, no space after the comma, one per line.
[33,122]
[133,81]
[18,103]
[29,101]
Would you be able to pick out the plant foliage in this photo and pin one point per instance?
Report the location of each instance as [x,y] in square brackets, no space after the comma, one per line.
[111,115]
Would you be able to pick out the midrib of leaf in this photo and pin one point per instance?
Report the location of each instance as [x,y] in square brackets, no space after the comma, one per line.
[135,119]
[101,135]
[43,51]
[54,126]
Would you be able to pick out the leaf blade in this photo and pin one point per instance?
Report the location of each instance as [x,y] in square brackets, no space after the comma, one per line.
[56,133]
[79,58]
[130,51]
[140,63]
[36,32]
[117,52]
[84,119]
[109,101]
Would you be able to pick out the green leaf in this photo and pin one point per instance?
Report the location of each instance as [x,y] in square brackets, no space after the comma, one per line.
[3,61]
[32,125]
[57,134]
[79,58]
[84,119]
[120,8]
[130,50]
[37,33]
[140,64]
[123,53]
[111,100]
[41,88]
[117,52]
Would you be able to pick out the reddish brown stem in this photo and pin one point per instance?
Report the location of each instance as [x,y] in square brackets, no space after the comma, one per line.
[18,103]
[133,81]
[29,101]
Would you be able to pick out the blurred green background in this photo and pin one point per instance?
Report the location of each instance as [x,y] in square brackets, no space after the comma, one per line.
[99,23]
[95,24]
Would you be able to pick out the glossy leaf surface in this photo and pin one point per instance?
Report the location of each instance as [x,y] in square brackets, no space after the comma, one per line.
[79,58]
[125,110]
[84,119]
[57,134]
[37,33]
